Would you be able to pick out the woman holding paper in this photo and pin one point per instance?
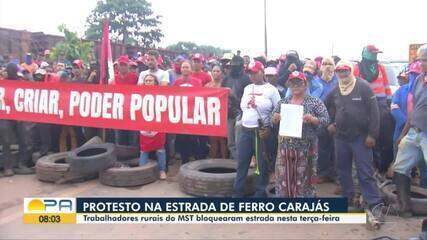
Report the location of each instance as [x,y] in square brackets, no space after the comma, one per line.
[293,165]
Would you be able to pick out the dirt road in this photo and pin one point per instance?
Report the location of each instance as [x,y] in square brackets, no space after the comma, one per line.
[14,189]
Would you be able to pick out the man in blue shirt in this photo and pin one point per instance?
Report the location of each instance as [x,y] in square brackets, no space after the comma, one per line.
[314,88]
[325,165]
[327,77]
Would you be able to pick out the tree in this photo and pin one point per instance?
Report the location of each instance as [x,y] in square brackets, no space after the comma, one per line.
[190,47]
[131,21]
[72,47]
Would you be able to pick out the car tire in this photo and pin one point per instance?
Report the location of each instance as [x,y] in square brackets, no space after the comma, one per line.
[53,168]
[418,198]
[212,178]
[126,153]
[91,159]
[131,175]
[93,141]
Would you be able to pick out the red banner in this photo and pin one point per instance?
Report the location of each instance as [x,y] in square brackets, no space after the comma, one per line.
[198,111]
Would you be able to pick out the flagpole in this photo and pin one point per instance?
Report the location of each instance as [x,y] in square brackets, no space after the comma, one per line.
[105,57]
[265,28]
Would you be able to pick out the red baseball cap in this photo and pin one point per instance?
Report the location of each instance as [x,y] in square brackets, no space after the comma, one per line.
[373,49]
[198,56]
[255,67]
[123,59]
[78,63]
[297,75]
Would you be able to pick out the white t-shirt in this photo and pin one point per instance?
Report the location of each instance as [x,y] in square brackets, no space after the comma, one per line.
[265,97]
[162,76]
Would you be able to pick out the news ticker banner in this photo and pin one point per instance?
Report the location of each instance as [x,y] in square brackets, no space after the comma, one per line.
[196,111]
[189,211]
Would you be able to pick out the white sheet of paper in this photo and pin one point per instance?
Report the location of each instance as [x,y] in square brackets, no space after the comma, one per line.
[291,118]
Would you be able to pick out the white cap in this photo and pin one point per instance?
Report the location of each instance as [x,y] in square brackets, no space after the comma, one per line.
[270,71]
[44,65]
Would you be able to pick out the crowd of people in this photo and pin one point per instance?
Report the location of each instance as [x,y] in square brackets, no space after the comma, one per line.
[354,128]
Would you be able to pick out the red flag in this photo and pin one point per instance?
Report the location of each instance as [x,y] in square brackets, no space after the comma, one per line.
[105,60]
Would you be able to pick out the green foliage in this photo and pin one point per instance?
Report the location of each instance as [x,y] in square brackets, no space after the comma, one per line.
[72,47]
[190,47]
[131,21]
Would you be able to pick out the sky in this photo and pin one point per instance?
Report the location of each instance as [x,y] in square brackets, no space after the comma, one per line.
[312,27]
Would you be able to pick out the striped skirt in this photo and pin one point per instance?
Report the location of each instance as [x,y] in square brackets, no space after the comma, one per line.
[294,172]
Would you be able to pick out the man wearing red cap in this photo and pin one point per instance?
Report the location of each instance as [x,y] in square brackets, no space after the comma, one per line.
[78,72]
[355,119]
[198,60]
[374,73]
[124,76]
[257,104]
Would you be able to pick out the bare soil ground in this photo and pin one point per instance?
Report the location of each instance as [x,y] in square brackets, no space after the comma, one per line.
[14,189]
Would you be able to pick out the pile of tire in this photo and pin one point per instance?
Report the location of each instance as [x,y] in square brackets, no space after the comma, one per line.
[418,197]
[116,166]
[212,178]
[54,168]
[81,164]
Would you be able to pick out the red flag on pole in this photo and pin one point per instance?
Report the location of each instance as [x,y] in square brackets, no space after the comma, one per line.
[105,61]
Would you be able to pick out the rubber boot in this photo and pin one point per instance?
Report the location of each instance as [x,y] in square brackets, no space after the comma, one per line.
[403,187]
[7,166]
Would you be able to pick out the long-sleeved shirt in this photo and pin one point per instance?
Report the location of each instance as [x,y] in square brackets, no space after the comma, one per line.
[328,86]
[355,114]
[399,109]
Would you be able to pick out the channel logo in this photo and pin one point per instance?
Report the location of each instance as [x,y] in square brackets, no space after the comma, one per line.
[49,205]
